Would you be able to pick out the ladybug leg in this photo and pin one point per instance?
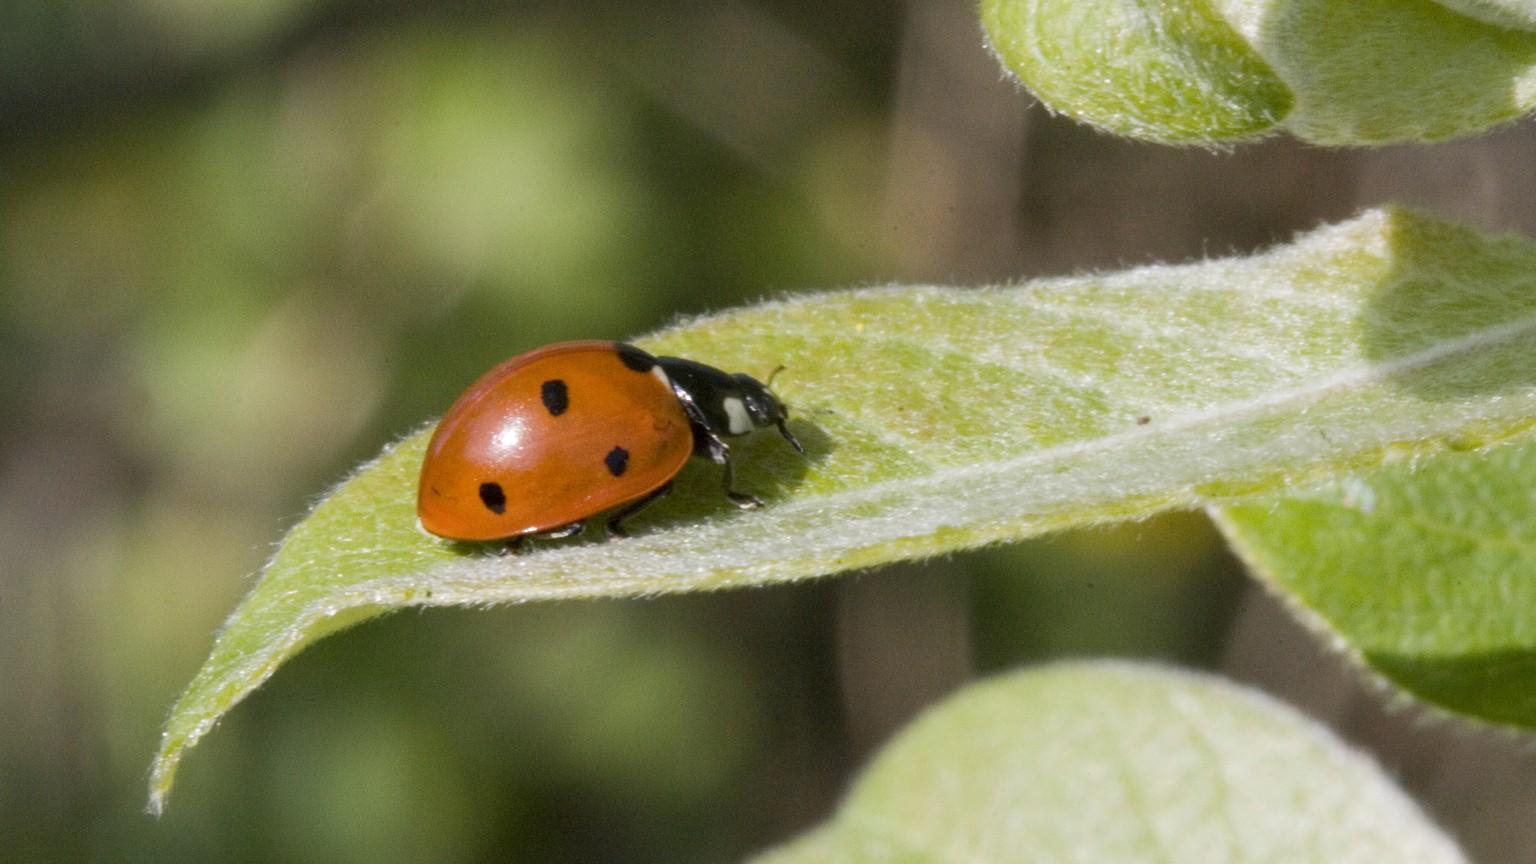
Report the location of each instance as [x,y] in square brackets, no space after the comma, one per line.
[615,525]
[519,545]
[706,442]
[740,499]
[562,532]
[719,453]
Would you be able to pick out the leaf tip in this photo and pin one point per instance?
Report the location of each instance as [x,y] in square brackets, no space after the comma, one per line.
[162,772]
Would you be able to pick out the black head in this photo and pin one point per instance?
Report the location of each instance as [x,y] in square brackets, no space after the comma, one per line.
[765,408]
[725,405]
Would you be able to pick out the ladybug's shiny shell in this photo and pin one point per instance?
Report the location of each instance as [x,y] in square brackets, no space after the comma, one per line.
[551,437]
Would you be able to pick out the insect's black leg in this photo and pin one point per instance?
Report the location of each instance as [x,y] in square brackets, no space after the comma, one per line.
[707,443]
[740,499]
[519,544]
[563,531]
[615,524]
[720,454]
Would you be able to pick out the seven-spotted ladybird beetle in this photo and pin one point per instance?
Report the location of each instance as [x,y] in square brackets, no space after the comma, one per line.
[549,438]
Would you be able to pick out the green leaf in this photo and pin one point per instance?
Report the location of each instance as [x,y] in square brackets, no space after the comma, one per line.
[1116,763]
[940,419]
[1364,72]
[1171,72]
[1425,570]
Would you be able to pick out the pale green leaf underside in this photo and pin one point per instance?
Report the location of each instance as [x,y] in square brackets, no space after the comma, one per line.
[1114,763]
[1426,571]
[939,419]
[1362,72]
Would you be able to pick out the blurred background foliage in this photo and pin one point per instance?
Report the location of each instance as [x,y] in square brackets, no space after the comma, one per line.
[244,245]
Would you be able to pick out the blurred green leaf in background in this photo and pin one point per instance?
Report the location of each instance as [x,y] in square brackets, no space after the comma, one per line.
[1119,762]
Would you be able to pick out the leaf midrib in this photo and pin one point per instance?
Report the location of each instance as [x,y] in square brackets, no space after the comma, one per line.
[1339,381]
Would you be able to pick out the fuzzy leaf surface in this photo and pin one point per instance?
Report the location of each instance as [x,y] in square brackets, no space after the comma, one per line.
[1117,763]
[1357,73]
[938,419]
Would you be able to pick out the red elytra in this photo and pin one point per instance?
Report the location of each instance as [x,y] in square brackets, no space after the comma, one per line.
[556,435]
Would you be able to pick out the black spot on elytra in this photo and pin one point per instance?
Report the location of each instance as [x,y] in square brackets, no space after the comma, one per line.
[634,358]
[555,396]
[617,460]
[493,498]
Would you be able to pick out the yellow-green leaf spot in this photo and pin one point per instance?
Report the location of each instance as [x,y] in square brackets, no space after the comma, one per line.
[940,418]
[1115,763]
[1357,73]
[1426,571]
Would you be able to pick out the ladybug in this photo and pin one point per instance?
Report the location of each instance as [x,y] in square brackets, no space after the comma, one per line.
[551,437]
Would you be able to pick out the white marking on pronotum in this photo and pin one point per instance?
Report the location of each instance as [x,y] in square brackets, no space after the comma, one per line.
[661,375]
[741,421]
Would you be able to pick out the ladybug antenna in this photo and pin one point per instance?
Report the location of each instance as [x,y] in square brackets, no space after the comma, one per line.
[774,374]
